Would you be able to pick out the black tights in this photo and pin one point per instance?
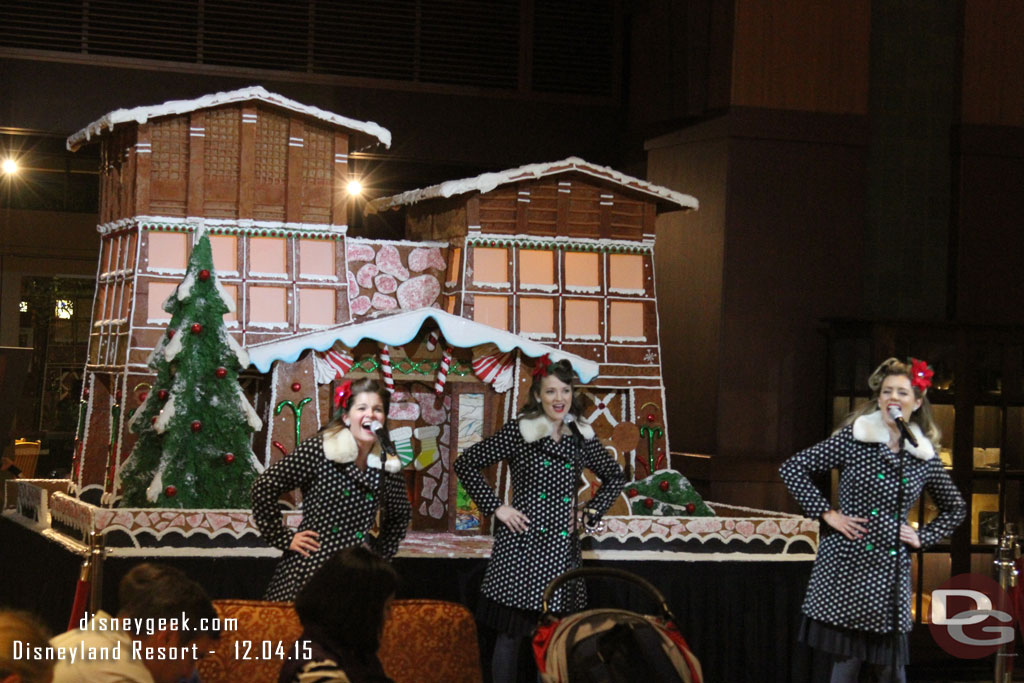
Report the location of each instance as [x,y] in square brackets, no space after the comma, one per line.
[847,670]
[505,660]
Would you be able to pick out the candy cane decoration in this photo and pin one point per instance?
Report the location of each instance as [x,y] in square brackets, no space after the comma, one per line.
[432,340]
[385,368]
[442,371]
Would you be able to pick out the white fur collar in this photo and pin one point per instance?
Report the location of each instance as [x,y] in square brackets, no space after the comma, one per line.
[341,447]
[871,429]
[536,428]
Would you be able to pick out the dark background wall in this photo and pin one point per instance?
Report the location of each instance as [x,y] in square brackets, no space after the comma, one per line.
[861,159]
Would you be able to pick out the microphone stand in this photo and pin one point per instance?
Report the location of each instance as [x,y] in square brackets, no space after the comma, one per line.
[897,579]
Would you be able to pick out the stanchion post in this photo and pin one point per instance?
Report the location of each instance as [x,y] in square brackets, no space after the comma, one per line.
[96,552]
[1006,573]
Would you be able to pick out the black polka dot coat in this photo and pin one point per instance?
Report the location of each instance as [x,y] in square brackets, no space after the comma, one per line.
[339,502]
[544,477]
[852,580]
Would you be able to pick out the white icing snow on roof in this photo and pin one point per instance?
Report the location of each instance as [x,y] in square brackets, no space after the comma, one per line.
[488,181]
[256,92]
[401,328]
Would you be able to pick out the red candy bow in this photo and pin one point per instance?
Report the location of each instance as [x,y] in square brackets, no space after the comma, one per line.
[541,368]
[920,374]
[342,393]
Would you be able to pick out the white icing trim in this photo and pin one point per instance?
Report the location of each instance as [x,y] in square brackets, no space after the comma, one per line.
[620,290]
[492,285]
[528,287]
[580,289]
[142,114]
[628,339]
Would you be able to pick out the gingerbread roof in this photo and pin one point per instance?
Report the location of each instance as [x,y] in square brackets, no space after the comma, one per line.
[142,114]
[667,199]
[401,328]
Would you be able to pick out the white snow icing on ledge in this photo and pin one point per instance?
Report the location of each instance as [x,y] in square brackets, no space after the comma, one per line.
[401,328]
[488,181]
[143,114]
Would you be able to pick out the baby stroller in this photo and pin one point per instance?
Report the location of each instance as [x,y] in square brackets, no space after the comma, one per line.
[612,645]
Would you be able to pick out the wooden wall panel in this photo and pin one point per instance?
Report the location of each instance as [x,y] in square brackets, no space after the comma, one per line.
[169,175]
[811,55]
[993,61]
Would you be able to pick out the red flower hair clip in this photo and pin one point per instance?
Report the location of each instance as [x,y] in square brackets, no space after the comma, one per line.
[541,368]
[342,394]
[920,374]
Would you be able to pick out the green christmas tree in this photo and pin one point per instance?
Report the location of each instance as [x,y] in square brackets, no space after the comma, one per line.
[195,425]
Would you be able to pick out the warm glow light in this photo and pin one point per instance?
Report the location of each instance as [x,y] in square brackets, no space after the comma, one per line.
[355,187]
[10,166]
[64,309]
[23,307]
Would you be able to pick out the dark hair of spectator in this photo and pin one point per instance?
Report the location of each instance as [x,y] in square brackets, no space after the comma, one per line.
[346,598]
[152,590]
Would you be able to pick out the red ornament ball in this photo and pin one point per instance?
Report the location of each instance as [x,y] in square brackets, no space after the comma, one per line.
[196,425]
[601,406]
[118,395]
[170,492]
[229,458]
[221,372]
[162,394]
[143,395]
[648,503]
[690,507]
[171,333]
[651,417]
[296,386]
[204,275]
[85,393]
[196,328]
[632,492]
[153,421]
[663,485]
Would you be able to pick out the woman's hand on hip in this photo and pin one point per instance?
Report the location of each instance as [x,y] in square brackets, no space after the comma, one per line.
[512,518]
[304,542]
[851,527]
[908,535]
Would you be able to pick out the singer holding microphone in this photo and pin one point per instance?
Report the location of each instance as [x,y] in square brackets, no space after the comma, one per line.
[344,480]
[857,607]
[536,537]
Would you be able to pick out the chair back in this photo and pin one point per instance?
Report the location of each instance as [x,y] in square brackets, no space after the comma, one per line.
[424,641]
[26,454]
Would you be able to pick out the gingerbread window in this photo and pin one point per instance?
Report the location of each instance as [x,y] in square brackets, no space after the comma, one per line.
[537,317]
[316,260]
[626,273]
[537,269]
[626,321]
[454,264]
[158,293]
[268,306]
[583,319]
[268,257]
[168,251]
[316,307]
[582,272]
[231,317]
[490,266]
[491,310]
[225,254]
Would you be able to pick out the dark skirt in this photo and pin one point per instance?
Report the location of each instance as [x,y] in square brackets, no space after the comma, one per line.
[504,619]
[874,648]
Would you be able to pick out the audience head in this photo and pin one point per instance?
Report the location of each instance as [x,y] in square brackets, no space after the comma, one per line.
[29,633]
[347,598]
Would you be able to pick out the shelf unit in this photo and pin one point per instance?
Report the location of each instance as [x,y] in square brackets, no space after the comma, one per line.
[978,400]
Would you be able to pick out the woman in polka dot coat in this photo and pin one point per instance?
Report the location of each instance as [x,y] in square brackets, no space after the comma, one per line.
[536,538]
[343,483]
[848,610]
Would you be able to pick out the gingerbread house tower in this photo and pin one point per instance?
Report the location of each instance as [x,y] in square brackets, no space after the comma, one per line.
[266,177]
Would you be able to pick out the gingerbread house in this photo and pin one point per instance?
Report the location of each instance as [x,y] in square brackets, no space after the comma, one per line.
[265,176]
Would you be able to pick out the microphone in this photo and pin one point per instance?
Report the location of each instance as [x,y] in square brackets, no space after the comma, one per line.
[897,416]
[570,421]
[392,464]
